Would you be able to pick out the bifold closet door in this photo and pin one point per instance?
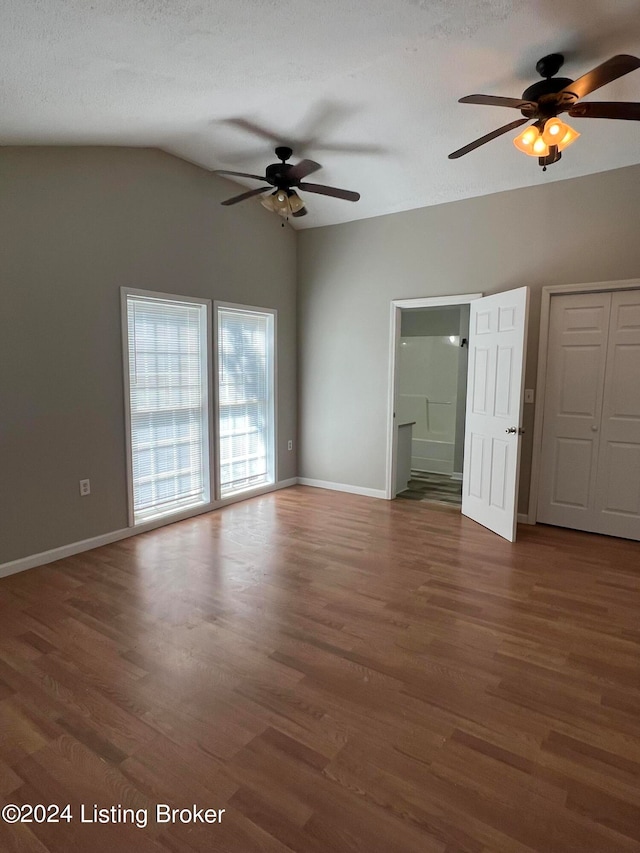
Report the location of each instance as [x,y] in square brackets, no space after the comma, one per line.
[590,461]
[618,481]
[576,362]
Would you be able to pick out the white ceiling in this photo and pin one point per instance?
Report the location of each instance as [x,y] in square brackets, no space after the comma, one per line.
[368,88]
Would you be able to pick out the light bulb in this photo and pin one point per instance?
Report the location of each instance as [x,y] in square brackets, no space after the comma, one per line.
[553,131]
[277,203]
[570,136]
[281,203]
[540,147]
[295,202]
[529,141]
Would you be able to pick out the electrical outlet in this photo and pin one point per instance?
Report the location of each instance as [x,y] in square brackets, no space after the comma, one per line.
[528,395]
[290,445]
[85,487]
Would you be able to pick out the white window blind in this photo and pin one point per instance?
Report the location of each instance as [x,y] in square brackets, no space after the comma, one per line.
[168,404]
[245,398]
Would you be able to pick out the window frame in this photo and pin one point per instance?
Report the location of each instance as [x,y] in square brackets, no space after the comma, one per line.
[273,382]
[208,443]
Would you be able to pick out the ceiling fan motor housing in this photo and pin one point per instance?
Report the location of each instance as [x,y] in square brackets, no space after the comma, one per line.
[545,92]
[276,174]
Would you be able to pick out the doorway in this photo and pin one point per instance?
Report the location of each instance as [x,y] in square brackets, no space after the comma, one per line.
[494,405]
[398,436]
[431,403]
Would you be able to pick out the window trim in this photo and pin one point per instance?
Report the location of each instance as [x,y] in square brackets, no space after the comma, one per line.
[209,445]
[248,492]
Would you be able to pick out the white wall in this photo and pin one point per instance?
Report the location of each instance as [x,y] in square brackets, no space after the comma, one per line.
[427,392]
[584,229]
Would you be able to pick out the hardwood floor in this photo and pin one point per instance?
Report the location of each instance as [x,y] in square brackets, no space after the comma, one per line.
[339,674]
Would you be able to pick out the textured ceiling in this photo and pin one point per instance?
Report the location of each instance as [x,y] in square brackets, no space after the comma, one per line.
[367,88]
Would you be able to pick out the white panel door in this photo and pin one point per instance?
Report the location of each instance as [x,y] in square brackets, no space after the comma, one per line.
[497,342]
[576,360]
[617,492]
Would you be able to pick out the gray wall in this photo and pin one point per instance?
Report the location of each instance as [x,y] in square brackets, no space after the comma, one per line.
[76,225]
[581,230]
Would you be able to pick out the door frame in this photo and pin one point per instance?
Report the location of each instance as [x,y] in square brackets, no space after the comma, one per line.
[543,351]
[396,312]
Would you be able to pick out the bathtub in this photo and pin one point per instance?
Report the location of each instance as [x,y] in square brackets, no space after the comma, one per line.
[433,456]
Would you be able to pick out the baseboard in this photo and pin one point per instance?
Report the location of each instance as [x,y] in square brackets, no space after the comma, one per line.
[457,475]
[342,487]
[44,557]
[523,518]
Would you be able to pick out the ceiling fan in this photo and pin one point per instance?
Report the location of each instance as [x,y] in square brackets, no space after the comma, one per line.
[286,178]
[545,100]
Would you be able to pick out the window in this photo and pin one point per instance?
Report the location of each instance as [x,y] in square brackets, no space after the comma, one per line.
[245,398]
[166,378]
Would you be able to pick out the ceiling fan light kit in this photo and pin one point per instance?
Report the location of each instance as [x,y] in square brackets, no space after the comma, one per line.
[285,203]
[546,139]
[545,100]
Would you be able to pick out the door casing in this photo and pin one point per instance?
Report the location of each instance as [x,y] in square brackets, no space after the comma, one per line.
[394,336]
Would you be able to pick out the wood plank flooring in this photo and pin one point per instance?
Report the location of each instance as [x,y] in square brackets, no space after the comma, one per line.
[339,674]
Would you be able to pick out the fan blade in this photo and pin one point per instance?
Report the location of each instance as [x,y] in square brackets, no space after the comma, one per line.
[302,169]
[242,197]
[604,109]
[493,135]
[334,192]
[610,70]
[255,129]
[302,212]
[238,174]
[350,149]
[497,101]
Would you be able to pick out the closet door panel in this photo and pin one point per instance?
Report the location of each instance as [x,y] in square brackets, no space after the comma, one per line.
[618,479]
[577,349]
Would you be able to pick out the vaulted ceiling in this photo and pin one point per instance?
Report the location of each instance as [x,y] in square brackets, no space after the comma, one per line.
[368,88]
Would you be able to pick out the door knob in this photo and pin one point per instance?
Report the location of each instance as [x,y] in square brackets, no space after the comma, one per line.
[594,428]
[512,430]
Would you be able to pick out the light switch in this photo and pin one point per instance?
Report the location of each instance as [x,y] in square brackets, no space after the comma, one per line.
[528,395]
